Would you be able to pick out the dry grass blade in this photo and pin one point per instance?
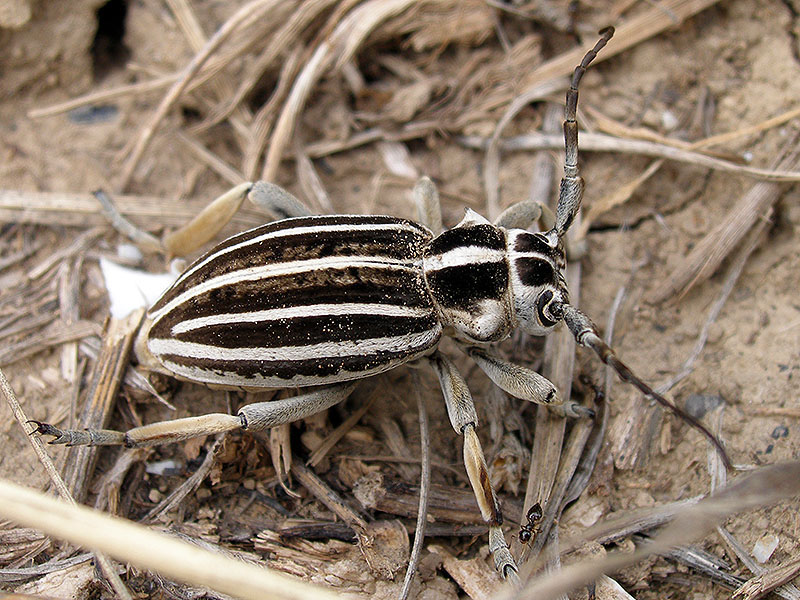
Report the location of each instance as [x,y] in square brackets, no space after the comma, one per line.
[708,254]
[761,488]
[471,575]
[655,20]
[214,162]
[21,325]
[620,195]
[298,20]
[158,552]
[69,307]
[339,48]
[666,15]
[249,12]
[106,379]
[702,562]
[265,117]
[787,591]
[568,463]
[81,210]
[311,183]
[78,246]
[173,500]
[104,96]
[53,336]
[724,138]
[329,498]
[624,523]
[337,434]
[763,584]
[446,504]
[600,142]
[424,490]
[13,575]
[109,571]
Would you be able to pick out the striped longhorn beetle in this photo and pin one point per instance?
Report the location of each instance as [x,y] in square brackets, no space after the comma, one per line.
[319,302]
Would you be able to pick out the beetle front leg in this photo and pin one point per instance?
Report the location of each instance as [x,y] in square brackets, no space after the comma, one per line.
[524,383]
[258,416]
[464,419]
[524,214]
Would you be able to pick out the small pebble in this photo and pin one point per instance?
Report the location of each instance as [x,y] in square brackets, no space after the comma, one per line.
[764,547]
[89,115]
[668,120]
[781,431]
[698,405]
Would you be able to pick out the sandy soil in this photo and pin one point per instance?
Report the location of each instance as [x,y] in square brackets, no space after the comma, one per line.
[733,65]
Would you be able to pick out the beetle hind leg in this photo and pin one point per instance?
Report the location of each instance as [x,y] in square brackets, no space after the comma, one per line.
[258,416]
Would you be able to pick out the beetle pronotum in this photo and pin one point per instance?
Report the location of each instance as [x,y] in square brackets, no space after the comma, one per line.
[321,302]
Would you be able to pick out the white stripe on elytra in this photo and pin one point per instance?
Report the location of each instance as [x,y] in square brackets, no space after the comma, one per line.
[273,235]
[232,379]
[462,256]
[312,310]
[322,350]
[286,268]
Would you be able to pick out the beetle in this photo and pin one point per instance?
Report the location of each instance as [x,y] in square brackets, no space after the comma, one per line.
[320,302]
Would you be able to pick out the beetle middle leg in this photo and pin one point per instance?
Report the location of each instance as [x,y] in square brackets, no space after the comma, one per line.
[464,419]
[258,416]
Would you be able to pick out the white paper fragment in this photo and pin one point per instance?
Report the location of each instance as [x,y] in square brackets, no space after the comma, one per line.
[764,547]
[129,289]
[129,253]
[160,467]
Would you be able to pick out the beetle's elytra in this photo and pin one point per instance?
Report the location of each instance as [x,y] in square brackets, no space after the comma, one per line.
[321,300]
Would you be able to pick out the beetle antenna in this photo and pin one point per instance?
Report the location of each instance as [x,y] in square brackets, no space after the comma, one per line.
[571,189]
[586,334]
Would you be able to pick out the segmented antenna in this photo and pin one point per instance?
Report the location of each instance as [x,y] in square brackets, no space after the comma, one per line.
[569,202]
[569,198]
[586,334]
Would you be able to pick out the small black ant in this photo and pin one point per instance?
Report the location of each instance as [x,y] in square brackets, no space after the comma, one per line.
[528,530]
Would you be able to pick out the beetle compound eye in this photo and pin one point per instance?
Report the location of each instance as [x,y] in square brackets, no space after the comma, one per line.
[543,309]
